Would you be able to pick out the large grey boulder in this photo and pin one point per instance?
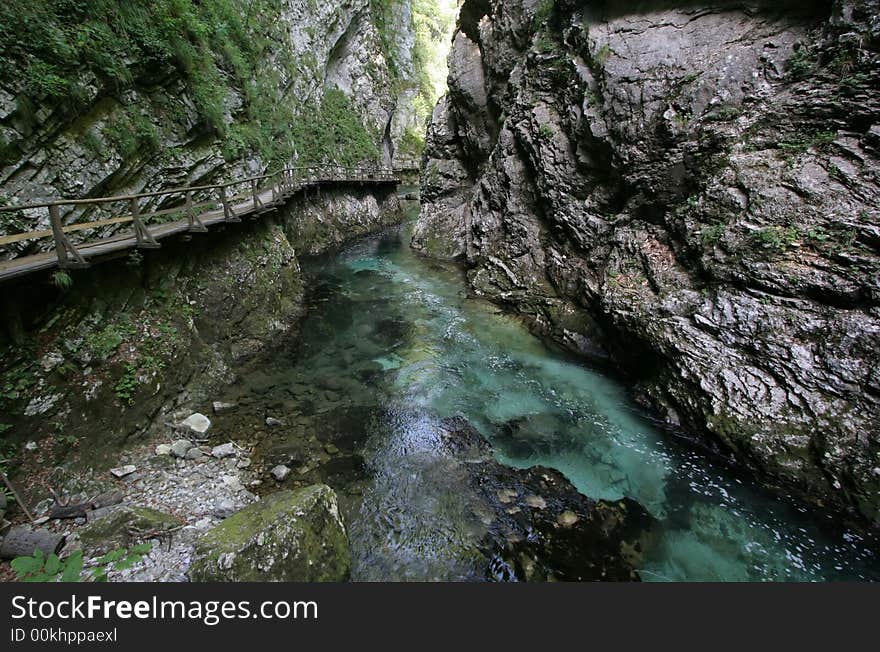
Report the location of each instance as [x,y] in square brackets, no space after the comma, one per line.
[289,536]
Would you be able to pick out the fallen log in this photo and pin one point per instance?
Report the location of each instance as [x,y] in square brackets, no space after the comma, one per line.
[22,542]
[69,511]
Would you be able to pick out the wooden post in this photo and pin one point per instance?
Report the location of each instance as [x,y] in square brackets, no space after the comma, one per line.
[228,213]
[68,256]
[141,233]
[257,203]
[195,224]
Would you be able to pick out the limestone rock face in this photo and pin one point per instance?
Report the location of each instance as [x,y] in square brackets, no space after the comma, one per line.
[332,45]
[703,215]
[289,536]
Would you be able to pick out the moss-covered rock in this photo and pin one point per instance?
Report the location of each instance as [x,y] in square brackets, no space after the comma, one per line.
[123,526]
[289,536]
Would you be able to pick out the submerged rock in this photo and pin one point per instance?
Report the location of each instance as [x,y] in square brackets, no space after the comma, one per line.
[289,536]
[539,527]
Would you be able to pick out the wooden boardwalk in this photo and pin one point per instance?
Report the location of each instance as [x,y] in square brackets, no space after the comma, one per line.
[264,193]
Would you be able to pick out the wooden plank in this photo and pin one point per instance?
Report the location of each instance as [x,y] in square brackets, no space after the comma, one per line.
[120,242]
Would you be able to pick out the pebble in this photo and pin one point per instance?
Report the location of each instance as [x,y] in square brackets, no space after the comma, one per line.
[224,508]
[223,450]
[280,472]
[122,471]
[272,422]
[567,518]
[536,501]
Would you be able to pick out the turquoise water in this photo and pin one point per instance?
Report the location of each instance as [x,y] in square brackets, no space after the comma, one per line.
[403,346]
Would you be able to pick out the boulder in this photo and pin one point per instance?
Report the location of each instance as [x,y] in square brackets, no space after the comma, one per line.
[124,525]
[289,536]
[163,449]
[198,423]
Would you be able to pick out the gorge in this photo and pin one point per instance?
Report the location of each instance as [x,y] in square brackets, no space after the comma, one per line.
[629,331]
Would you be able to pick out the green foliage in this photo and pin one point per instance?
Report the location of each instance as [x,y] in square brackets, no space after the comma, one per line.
[711,235]
[776,239]
[383,16]
[801,64]
[104,342]
[132,133]
[544,11]
[120,559]
[333,131]
[39,568]
[62,280]
[603,54]
[546,131]
[16,381]
[802,142]
[412,144]
[724,113]
[127,384]
[433,22]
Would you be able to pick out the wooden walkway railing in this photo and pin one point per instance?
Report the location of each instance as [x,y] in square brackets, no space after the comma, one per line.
[260,194]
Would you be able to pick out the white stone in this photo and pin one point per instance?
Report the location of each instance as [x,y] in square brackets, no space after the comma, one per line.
[223,450]
[220,406]
[122,471]
[280,472]
[197,422]
[163,449]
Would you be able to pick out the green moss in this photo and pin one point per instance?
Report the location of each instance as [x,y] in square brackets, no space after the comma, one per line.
[286,536]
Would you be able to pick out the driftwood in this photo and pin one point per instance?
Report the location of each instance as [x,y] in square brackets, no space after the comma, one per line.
[22,542]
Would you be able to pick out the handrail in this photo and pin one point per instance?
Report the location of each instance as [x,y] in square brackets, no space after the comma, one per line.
[173,191]
[285,181]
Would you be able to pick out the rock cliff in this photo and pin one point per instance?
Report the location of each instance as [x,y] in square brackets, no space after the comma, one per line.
[687,190]
[105,98]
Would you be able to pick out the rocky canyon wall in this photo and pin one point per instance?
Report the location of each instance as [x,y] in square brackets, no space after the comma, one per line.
[108,98]
[688,191]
